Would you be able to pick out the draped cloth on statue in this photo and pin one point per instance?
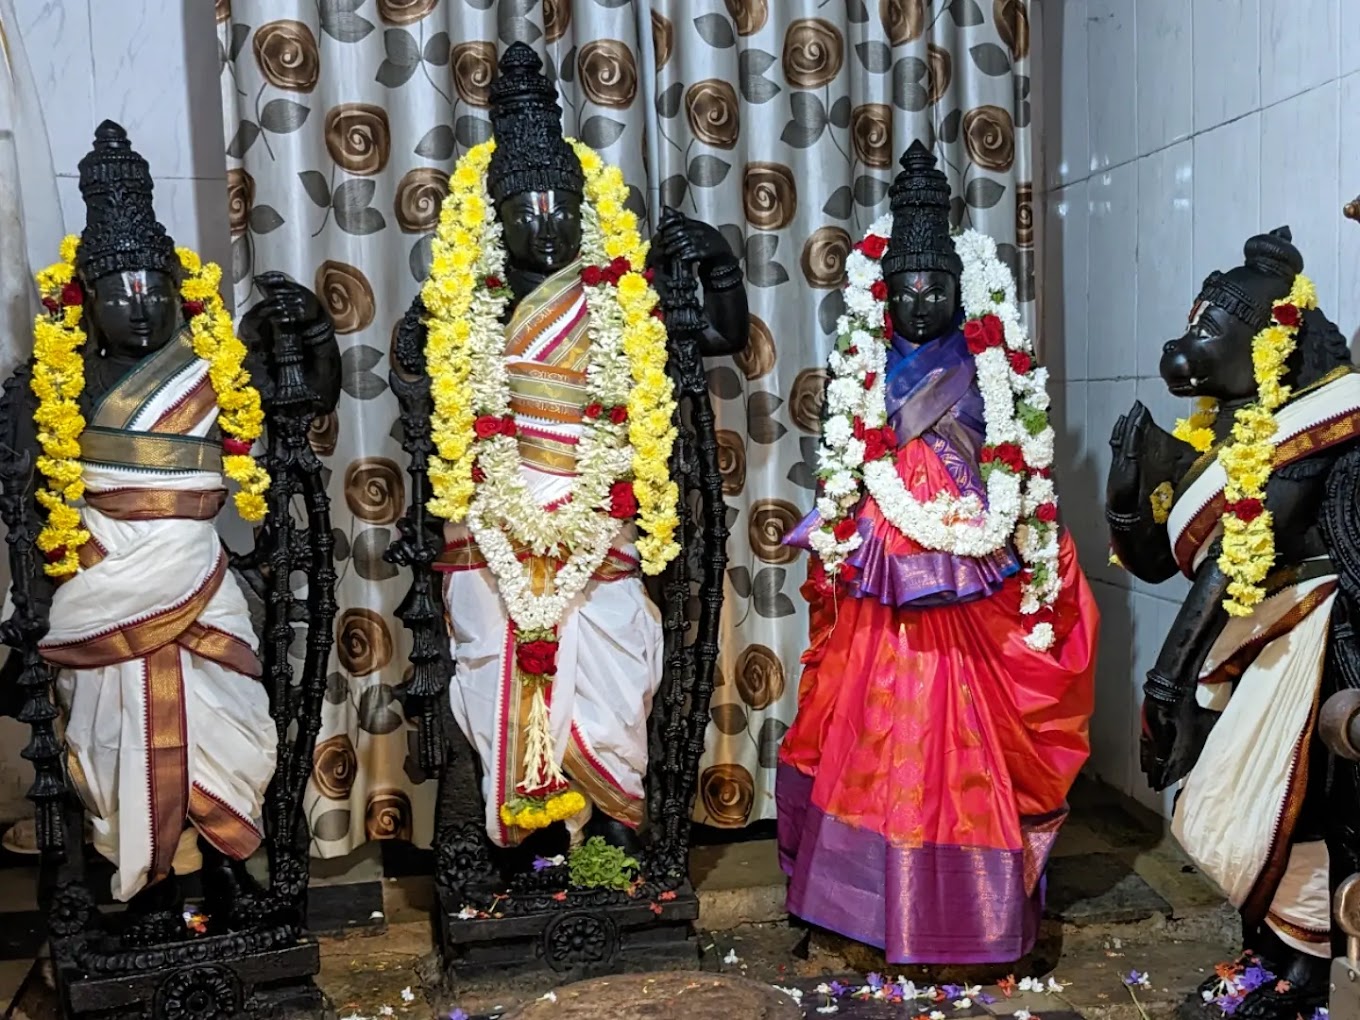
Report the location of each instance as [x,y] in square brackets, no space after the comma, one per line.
[925,777]
[166,719]
[1237,808]
[610,642]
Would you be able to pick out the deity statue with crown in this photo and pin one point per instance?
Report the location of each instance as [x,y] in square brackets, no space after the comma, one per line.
[1255,498]
[552,421]
[942,715]
[139,409]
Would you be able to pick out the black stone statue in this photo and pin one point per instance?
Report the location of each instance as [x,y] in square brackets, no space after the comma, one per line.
[495,910]
[243,951]
[1204,699]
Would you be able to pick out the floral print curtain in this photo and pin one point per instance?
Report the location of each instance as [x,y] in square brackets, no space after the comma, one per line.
[778,122]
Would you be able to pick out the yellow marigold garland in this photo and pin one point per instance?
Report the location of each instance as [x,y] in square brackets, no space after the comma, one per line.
[59,379]
[1248,539]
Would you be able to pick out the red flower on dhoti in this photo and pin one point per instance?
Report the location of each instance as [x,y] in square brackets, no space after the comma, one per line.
[538,658]
[623,502]
[984,332]
[1246,510]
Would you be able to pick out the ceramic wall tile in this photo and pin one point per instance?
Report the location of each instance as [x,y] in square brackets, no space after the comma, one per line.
[1300,154]
[56,40]
[1350,37]
[72,205]
[1066,131]
[1069,427]
[1062,345]
[1112,292]
[1227,72]
[1165,73]
[1114,708]
[1111,78]
[1165,250]
[194,213]
[1227,194]
[176,123]
[1344,307]
[1300,46]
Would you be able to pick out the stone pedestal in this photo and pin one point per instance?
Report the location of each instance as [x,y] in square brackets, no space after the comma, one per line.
[664,996]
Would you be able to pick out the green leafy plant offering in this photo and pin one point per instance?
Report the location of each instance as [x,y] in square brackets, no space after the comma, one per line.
[596,864]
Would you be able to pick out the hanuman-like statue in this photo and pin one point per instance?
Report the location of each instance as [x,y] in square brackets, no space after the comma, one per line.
[1253,498]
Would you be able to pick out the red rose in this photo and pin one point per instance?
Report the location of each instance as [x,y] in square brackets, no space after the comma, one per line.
[592,276]
[623,502]
[494,282]
[594,410]
[73,294]
[875,446]
[55,555]
[51,305]
[1046,512]
[1246,510]
[988,455]
[543,791]
[873,246]
[852,349]
[192,308]
[618,415]
[983,333]
[620,266]
[659,314]
[869,378]
[478,475]
[486,426]
[1021,362]
[845,529]
[857,429]
[1286,314]
[1044,472]
[538,658]
[508,426]
[649,275]
[879,290]
[236,447]
[1009,454]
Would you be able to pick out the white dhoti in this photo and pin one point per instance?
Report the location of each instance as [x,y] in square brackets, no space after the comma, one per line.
[166,720]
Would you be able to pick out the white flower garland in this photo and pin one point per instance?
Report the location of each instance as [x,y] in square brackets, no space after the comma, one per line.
[1017,457]
[504,502]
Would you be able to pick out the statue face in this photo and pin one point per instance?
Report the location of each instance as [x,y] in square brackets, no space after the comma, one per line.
[1212,358]
[134,313]
[542,230]
[922,306]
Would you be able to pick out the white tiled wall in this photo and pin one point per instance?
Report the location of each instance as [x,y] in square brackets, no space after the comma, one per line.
[1172,130]
[151,65]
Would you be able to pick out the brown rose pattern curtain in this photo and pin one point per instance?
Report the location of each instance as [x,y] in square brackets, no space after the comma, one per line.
[343,120]
[782,121]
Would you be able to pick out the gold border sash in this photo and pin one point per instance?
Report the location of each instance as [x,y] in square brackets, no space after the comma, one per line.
[157,504]
[149,450]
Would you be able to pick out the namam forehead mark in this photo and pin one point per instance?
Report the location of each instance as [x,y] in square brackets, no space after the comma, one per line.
[544,202]
[1197,312]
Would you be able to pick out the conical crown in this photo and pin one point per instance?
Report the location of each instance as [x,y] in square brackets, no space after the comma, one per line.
[921,240]
[121,232]
[1249,292]
[531,154]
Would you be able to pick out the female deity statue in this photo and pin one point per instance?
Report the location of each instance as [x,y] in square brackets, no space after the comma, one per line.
[942,715]
[1248,498]
[551,431]
[142,407]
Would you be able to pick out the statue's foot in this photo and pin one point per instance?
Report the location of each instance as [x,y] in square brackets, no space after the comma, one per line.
[231,895]
[614,832]
[1283,1000]
[155,916]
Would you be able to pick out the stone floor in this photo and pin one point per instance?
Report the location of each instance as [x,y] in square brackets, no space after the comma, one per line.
[1121,897]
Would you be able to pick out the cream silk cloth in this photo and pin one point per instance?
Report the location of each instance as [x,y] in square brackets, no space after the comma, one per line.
[1237,807]
[610,640]
[166,720]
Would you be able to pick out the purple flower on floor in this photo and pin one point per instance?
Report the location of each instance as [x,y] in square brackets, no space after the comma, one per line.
[1253,978]
[838,989]
[985,999]
[1228,1004]
[1321,1013]
[1137,978]
[952,991]
[875,981]
[458,1014]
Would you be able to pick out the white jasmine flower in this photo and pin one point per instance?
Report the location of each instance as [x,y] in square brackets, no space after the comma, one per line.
[936,1015]
[467,914]
[1022,1014]
[1055,986]
[549,997]
[731,957]
[963,1003]
[407,995]
[386,1011]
